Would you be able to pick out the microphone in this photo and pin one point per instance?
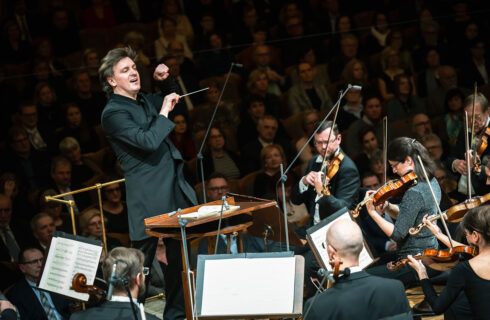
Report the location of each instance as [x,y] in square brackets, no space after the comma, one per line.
[239,65]
[355,87]
[172,213]
[111,281]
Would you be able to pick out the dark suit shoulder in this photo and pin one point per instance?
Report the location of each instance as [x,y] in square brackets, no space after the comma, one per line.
[110,310]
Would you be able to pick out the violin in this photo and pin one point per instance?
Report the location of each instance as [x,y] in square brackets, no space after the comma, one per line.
[439,259]
[454,214]
[79,284]
[330,169]
[390,189]
[480,148]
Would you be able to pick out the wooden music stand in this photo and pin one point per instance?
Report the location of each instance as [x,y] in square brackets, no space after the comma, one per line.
[167,226]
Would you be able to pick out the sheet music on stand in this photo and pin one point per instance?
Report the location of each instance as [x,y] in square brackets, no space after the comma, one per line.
[316,236]
[249,285]
[68,255]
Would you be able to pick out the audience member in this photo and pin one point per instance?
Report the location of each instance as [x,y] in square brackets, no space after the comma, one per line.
[405,103]
[247,129]
[182,137]
[172,9]
[394,41]
[98,15]
[39,136]
[265,182]
[31,302]
[217,158]
[43,228]
[90,102]
[386,80]
[63,32]
[258,85]
[476,69]
[421,125]
[90,62]
[350,109]
[13,236]
[376,40]
[428,78]
[54,210]
[368,145]
[7,310]
[349,45]
[310,122]
[452,122]
[216,187]
[75,126]
[448,79]
[319,71]
[263,62]
[91,227]
[267,128]
[167,30]
[307,95]
[115,209]
[84,171]
[15,49]
[48,108]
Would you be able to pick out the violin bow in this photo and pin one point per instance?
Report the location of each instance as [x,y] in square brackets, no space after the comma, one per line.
[324,164]
[467,145]
[435,201]
[385,147]
[474,148]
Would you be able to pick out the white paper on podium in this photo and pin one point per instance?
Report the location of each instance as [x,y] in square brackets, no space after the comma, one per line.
[211,211]
[251,286]
[319,236]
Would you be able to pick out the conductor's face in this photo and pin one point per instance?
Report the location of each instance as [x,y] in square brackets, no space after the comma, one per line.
[126,79]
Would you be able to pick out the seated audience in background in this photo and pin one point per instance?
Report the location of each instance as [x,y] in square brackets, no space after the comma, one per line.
[355,73]
[258,85]
[83,170]
[344,240]
[216,186]
[182,138]
[395,41]
[307,95]
[48,108]
[477,67]
[376,40]
[131,269]
[40,136]
[267,134]
[172,9]
[13,235]
[91,227]
[90,102]
[448,79]
[217,59]
[227,114]
[320,71]
[168,32]
[22,210]
[428,78]
[376,164]
[371,117]
[247,129]
[404,103]
[115,209]
[31,302]
[350,110]
[265,182]
[90,62]
[263,62]
[452,122]
[368,146]
[62,222]
[43,228]
[386,80]
[421,125]
[349,45]
[310,123]
[297,214]
[76,127]
[217,158]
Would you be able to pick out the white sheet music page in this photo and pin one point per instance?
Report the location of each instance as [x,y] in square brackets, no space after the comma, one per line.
[248,286]
[319,236]
[66,258]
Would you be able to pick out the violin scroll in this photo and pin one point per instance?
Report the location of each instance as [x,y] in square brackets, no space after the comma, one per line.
[79,284]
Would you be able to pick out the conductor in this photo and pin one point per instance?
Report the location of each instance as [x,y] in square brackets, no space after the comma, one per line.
[137,127]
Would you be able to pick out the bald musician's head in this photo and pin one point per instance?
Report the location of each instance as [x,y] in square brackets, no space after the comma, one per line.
[344,237]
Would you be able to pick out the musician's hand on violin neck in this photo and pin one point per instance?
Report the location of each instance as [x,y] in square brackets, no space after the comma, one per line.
[460,166]
[431,226]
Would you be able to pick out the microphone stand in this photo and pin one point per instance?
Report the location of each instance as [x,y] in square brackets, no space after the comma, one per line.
[183,223]
[199,154]
[284,177]
[224,205]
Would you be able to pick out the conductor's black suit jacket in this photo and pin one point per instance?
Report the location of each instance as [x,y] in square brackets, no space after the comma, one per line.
[152,165]
[344,187]
[361,296]
[110,310]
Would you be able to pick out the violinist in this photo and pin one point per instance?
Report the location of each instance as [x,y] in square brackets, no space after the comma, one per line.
[129,265]
[415,203]
[456,161]
[471,276]
[356,294]
[343,186]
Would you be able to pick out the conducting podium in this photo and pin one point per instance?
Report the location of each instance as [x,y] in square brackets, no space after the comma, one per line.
[239,213]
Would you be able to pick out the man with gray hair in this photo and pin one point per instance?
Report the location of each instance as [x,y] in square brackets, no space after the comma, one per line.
[356,294]
[137,126]
[129,268]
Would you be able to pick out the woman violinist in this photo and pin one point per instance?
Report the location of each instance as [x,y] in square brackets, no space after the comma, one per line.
[415,203]
[472,276]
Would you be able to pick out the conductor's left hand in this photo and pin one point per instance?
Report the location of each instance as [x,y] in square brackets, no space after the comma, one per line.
[161,72]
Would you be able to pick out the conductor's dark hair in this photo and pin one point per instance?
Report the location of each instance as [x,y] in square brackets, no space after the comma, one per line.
[400,148]
[478,219]
[107,64]
[326,125]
